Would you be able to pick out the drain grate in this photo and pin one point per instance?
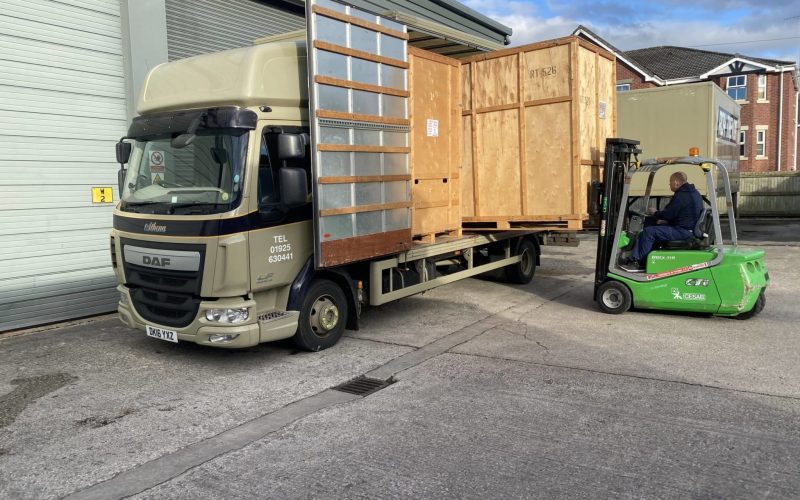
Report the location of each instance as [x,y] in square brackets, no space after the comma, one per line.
[363,386]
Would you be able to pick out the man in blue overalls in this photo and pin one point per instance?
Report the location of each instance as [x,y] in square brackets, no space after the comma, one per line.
[675,222]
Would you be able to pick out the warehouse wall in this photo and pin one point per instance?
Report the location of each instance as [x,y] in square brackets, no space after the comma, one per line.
[62,107]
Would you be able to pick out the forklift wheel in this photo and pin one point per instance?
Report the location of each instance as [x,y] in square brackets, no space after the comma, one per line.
[614,297]
[761,301]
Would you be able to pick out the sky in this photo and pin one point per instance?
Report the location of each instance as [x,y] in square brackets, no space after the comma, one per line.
[763,28]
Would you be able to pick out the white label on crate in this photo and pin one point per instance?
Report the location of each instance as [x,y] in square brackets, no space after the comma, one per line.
[602,111]
[433,128]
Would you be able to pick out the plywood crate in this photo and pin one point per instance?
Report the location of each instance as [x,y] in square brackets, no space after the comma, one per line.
[535,119]
[435,86]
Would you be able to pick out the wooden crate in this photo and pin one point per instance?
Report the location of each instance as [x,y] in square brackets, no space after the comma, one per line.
[535,119]
[435,86]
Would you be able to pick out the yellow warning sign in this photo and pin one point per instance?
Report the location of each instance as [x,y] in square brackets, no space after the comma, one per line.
[157,179]
[102,195]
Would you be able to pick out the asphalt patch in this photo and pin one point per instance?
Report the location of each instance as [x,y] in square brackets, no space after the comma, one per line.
[29,390]
[96,422]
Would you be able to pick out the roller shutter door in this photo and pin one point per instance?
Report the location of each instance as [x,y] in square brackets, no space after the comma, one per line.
[200,26]
[62,108]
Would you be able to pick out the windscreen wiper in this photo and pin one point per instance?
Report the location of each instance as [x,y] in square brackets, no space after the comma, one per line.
[132,204]
[201,208]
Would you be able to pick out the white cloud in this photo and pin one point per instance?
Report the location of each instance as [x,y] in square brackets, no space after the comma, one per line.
[651,29]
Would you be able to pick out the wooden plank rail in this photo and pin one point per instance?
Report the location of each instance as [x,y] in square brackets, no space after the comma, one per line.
[360,54]
[359,22]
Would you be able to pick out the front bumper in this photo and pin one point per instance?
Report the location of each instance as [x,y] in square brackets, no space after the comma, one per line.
[200,330]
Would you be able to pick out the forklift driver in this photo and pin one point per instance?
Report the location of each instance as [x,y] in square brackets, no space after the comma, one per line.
[675,222]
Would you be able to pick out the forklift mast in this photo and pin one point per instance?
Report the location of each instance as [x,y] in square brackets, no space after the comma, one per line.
[617,160]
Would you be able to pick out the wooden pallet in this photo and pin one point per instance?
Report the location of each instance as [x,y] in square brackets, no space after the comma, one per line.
[522,225]
[433,237]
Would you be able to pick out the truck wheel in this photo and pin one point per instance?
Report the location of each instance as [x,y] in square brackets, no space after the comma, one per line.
[614,297]
[522,272]
[322,317]
[761,301]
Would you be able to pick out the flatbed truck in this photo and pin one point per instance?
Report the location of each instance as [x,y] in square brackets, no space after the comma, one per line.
[213,239]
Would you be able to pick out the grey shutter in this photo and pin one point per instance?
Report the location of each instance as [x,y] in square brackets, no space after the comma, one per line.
[201,26]
[62,108]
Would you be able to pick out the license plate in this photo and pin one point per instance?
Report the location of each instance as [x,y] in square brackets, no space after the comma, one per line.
[160,333]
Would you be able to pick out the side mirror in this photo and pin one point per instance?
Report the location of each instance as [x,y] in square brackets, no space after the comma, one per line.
[294,190]
[292,146]
[123,152]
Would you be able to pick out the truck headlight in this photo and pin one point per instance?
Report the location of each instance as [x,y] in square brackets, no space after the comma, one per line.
[229,315]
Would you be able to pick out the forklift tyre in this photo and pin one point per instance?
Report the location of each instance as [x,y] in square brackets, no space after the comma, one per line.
[761,301]
[522,272]
[614,297]
[322,317]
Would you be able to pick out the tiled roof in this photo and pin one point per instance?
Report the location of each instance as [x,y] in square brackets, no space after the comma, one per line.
[592,35]
[671,63]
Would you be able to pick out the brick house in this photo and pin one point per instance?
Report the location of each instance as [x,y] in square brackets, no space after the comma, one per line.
[766,89]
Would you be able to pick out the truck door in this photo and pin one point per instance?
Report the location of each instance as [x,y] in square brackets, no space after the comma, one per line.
[358,65]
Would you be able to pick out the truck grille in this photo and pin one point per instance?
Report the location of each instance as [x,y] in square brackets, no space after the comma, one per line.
[169,309]
[163,296]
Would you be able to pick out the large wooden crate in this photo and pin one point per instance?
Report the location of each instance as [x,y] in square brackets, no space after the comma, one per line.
[435,87]
[535,120]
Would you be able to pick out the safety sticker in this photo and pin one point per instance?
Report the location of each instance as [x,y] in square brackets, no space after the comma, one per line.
[680,270]
[156,162]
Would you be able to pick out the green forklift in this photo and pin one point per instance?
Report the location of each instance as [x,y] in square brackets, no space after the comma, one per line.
[698,275]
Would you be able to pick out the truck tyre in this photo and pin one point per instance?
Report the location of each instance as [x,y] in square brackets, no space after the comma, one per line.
[761,301]
[522,272]
[322,317]
[614,297]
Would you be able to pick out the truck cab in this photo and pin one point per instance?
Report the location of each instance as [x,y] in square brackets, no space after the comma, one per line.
[215,191]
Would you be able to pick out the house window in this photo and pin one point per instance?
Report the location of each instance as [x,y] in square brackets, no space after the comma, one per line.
[737,87]
[623,87]
[742,138]
[762,87]
[761,139]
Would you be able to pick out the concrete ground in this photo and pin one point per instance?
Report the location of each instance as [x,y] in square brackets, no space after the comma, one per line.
[501,391]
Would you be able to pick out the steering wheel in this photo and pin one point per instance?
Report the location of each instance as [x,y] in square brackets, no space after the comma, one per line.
[639,213]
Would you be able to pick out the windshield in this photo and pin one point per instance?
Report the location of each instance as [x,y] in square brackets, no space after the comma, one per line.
[203,177]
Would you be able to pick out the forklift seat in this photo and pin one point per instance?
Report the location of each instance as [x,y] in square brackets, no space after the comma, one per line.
[699,239]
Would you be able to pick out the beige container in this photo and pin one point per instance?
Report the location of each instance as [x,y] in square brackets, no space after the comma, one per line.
[667,121]
[535,120]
